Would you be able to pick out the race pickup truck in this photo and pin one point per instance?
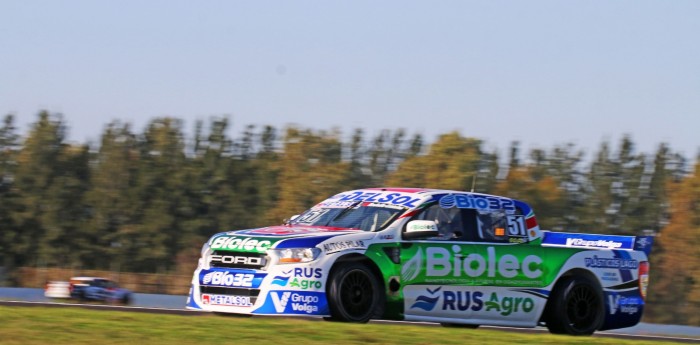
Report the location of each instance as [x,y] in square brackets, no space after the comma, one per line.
[450,257]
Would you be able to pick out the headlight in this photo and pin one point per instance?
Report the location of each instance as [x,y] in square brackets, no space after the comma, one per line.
[296,255]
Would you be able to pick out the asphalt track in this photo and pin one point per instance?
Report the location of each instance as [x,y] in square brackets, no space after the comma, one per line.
[426,324]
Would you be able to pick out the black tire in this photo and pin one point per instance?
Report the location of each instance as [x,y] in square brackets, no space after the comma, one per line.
[459,325]
[126,299]
[354,294]
[232,315]
[576,307]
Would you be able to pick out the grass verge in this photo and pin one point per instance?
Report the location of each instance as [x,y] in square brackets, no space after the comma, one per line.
[40,325]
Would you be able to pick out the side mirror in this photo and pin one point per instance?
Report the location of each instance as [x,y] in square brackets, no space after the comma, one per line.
[416,229]
[286,221]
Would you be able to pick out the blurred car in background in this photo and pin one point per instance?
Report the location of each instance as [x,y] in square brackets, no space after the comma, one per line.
[89,289]
[57,289]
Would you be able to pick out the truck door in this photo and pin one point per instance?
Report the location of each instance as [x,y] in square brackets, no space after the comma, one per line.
[479,270]
[511,281]
[431,268]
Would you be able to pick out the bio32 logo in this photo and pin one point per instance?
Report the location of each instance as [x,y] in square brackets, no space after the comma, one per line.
[228,279]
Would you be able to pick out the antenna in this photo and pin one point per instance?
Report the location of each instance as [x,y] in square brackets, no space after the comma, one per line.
[473,181]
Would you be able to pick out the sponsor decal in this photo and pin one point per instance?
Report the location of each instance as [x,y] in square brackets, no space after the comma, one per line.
[508,305]
[459,300]
[231,278]
[624,305]
[412,267]
[610,277]
[280,280]
[441,262]
[579,242]
[294,302]
[306,284]
[311,216]
[400,199]
[225,300]
[297,278]
[643,242]
[378,204]
[596,262]
[427,302]
[240,244]
[297,302]
[238,260]
[228,279]
[343,245]
[335,204]
[463,300]
[421,225]
[283,230]
[480,202]
[560,239]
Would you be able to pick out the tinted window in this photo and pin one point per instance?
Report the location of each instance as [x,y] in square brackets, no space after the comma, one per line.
[449,221]
[467,224]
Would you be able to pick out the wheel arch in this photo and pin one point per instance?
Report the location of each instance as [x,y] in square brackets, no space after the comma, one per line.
[578,272]
[358,258]
[574,272]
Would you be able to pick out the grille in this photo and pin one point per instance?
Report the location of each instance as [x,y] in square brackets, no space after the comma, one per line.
[253,261]
[219,290]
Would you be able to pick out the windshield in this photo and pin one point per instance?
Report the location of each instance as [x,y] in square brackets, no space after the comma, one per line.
[356,215]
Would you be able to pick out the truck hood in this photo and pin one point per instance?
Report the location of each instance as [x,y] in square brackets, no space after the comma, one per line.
[261,239]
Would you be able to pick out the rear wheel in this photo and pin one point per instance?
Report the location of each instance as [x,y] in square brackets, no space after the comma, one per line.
[354,293]
[576,307]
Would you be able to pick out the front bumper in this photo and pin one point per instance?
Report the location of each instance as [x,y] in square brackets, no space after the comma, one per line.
[281,290]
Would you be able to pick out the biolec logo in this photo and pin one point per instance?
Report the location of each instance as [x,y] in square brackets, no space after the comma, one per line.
[441,262]
[237,243]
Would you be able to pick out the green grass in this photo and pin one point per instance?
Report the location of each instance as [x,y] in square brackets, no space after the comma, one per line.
[40,325]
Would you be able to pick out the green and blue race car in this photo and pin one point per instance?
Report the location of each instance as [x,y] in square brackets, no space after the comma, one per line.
[451,257]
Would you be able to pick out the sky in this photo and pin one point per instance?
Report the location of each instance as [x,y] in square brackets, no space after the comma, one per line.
[543,73]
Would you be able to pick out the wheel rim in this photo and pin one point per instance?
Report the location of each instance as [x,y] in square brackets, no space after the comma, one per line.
[356,293]
[582,307]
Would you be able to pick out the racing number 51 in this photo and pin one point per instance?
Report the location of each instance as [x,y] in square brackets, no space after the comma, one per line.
[516,226]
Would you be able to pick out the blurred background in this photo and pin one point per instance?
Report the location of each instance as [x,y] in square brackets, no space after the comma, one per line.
[131,131]
[139,206]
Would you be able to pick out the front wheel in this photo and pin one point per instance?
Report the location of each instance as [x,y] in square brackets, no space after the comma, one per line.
[576,307]
[354,293]
[459,325]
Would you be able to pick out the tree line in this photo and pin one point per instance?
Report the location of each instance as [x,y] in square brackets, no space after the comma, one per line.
[146,201]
